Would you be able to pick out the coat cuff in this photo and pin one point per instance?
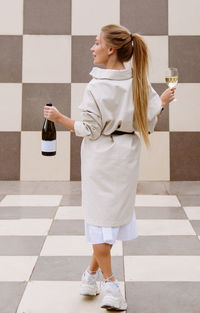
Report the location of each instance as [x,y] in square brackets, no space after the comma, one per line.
[78,128]
[152,124]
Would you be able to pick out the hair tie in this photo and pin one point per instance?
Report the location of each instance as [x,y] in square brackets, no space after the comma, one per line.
[132,39]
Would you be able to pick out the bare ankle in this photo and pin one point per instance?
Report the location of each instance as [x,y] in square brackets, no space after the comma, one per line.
[92,270]
[112,279]
[108,278]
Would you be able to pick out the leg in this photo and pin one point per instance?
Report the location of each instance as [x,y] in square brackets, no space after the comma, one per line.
[94,265]
[103,257]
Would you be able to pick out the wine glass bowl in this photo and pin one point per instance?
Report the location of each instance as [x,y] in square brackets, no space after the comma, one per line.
[171,78]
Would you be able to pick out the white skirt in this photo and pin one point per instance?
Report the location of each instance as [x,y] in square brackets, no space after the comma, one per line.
[99,234]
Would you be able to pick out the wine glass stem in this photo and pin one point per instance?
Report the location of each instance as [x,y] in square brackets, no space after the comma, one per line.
[174,99]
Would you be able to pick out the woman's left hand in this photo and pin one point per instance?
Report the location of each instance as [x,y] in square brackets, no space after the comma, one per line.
[51,113]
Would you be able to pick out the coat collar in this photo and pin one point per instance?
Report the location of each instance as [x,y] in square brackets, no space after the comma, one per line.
[103,73]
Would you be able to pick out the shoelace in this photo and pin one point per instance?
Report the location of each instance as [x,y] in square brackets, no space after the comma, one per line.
[108,278]
[101,278]
[104,280]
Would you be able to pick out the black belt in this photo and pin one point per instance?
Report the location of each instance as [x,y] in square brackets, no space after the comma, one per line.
[118,132]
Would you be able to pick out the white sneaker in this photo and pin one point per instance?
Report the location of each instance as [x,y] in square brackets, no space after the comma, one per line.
[113,298]
[89,285]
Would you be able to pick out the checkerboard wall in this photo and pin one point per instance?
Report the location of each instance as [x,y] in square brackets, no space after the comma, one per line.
[45,56]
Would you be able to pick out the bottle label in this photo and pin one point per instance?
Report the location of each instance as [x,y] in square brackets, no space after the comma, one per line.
[48,145]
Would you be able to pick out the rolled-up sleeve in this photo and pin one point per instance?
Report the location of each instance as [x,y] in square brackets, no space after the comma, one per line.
[91,120]
[154,108]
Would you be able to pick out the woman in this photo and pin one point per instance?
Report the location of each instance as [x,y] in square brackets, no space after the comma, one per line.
[119,108]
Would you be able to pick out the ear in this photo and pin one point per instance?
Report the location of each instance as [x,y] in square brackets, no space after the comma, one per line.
[111,50]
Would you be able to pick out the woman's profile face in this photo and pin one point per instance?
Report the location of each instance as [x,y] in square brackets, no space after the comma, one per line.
[99,50]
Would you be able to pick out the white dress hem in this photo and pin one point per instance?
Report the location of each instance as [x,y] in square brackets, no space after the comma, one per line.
[100,234]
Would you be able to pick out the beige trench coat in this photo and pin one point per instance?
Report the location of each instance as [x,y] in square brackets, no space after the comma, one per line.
[109,163]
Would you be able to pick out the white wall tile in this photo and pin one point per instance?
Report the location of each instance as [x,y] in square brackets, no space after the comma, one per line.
[77,91]
[11,106]
[158,57]
[89,16]
[35,166]
[11,17]
[184,17]
[154,162]
[46,59]
[184,114]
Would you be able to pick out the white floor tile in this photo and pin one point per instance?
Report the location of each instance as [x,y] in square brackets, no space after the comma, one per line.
[73,245]
[162,268]
[16,268]
[69,212]
[58,297]
[164,227]
[157,200]
[192,212]
[25,227]
[31,200]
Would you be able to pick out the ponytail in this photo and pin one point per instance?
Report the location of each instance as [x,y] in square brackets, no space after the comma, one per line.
[118,36]
[140,86]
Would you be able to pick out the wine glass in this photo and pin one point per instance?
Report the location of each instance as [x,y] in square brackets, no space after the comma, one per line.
[171,78]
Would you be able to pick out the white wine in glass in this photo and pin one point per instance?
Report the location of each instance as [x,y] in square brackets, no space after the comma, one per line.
[171,78]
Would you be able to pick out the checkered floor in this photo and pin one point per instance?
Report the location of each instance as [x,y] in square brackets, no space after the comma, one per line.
[43,251]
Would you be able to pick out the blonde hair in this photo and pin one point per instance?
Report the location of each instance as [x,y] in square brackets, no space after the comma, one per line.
[119,37]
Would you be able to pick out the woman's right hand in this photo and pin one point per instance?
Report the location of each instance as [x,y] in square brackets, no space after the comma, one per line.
[167,96]
[51,113]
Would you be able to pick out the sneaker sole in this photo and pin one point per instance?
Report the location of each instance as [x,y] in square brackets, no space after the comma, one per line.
[87,291]
[110,304]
